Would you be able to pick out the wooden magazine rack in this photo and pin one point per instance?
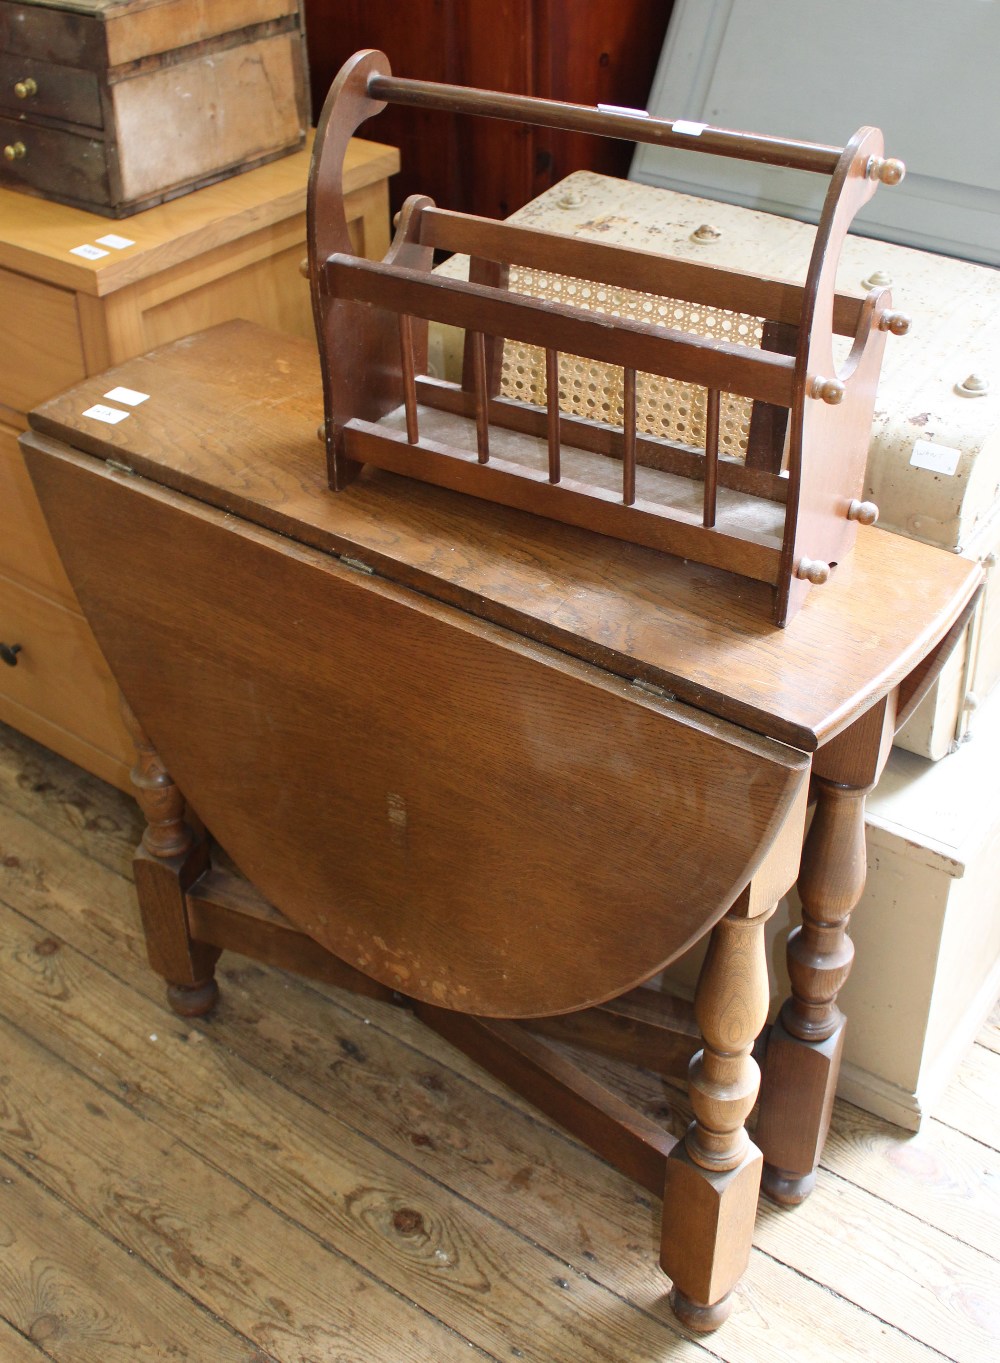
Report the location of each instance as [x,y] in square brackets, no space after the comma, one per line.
[783,510]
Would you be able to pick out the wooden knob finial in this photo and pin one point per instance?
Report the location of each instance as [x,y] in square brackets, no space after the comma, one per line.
[812,570]
[865,513]
[887,172]
[304,267]
[896,322]
[830,390]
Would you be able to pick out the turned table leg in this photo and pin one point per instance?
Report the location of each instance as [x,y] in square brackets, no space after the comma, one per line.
[168,860]
[713,1175]
[806,1042]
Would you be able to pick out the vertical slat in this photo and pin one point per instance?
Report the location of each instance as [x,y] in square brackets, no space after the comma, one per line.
[711,456]
[768,424]
[628,428]
[409,380]
[478,342]
[552,403]
[495,276]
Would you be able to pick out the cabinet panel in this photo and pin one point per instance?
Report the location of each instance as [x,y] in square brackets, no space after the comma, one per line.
[247,107]
[60,674]
[269,291]
[559,49]
[72,165]
[26,549]
[29,87]
[42,349]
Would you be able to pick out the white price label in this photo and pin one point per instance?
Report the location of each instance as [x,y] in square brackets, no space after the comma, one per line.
[937,458]
[622,109]
[129,396]
[681,125]
[116,242]
[88,252]
[110,415]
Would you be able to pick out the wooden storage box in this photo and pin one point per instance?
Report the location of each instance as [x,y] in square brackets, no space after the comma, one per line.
[116,105]
[934,451]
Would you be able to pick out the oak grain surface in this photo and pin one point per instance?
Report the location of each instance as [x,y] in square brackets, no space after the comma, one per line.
[220,1178]
[232,419]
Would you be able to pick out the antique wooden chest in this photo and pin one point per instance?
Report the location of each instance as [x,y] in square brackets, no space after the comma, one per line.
[116,105]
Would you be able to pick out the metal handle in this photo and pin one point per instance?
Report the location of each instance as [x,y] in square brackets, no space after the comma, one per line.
[24,89]
[9,652]
[15,151]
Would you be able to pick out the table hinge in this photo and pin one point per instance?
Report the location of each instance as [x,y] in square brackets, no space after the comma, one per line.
[119,467]
[660,692]
[357,565]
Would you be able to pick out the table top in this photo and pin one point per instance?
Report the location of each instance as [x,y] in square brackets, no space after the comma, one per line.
[231,419]
[38,237]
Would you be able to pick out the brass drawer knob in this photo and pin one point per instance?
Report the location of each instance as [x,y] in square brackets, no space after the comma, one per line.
[24,89]
[15,151]
[9,652]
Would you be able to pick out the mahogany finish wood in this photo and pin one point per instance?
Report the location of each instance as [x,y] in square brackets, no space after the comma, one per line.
[552,48]
[432,759]
[825,410]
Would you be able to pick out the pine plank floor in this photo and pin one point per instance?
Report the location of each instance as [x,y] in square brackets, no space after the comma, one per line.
[310,1177]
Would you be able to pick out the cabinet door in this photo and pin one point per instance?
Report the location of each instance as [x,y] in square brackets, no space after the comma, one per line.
[42,346]
[27,553]
[572,50]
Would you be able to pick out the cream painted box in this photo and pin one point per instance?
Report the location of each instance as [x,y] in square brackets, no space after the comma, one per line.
[926,933]
[934,462]
[928,929]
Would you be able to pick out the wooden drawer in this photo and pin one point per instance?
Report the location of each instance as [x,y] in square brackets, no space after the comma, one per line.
[27,553]
[153,99]
[70,164]
[46,31]
[29,88]
[60,676]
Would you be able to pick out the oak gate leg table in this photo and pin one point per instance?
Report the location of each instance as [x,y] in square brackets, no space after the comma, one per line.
[494,767]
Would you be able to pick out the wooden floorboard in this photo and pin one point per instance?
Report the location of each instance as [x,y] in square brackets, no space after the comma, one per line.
[311,1177]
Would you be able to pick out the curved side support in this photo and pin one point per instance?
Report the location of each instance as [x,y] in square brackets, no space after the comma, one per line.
[359,346]
[347,106]
[832,408]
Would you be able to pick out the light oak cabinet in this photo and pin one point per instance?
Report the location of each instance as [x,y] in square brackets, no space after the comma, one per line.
[231,250]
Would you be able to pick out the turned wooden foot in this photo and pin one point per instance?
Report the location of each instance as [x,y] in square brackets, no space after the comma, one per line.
[713,1175]
[168,861]
[702,1319]
[193,1000]
[784,1188]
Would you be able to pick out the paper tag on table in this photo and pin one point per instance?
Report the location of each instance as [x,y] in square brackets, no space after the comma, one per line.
[110,415]
[129,396]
